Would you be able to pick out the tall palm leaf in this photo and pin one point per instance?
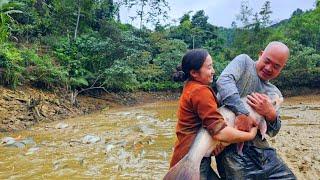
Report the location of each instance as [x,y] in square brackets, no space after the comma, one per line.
[7,8]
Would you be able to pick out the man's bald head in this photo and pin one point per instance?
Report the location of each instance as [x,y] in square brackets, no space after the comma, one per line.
[279,47]
[272,60]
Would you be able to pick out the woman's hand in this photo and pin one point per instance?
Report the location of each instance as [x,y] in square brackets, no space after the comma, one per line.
[233,135]
[252,133]
[246,136]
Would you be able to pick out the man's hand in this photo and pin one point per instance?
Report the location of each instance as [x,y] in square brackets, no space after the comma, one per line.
[245,123]
[261,103]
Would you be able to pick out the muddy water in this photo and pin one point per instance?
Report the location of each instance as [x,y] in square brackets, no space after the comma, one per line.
[136,143]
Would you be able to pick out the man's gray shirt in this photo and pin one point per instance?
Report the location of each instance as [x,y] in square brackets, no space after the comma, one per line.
[240,79]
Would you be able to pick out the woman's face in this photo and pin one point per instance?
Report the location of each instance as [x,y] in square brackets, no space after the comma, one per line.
[206,73]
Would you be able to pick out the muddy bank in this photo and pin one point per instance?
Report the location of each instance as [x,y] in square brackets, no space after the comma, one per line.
[298,140]
[26,106]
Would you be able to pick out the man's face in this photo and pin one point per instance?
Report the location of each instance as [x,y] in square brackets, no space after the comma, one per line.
[270,63]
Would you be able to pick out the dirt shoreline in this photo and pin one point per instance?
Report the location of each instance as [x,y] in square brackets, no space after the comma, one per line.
[26,106]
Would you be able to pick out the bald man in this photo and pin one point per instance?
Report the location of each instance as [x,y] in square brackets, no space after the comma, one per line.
[245,77]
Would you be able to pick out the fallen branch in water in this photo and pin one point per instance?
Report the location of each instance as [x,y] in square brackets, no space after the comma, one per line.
[75,93]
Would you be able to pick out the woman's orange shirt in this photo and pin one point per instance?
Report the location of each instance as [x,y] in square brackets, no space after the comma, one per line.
[197,108]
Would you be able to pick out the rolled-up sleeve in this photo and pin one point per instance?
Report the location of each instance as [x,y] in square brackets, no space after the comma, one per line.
[206,107]
[274,127]
[235,104]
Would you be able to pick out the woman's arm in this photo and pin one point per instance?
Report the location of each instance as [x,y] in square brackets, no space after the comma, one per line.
[204,103]
[232,135]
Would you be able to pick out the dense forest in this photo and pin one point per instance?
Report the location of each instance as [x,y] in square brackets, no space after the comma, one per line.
[78,45]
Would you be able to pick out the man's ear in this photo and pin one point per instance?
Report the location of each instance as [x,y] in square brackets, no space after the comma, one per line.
[260,53]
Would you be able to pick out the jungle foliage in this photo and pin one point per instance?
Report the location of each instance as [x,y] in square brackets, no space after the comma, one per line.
[72,45]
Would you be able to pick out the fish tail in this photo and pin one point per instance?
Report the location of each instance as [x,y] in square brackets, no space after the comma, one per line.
[263,129]
[183,170]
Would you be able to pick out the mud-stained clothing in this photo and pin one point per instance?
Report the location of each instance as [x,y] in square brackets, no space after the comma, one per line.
[254,163]
[237,80]
[197,108]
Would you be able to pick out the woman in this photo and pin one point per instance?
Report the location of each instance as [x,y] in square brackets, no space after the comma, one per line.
[198,108]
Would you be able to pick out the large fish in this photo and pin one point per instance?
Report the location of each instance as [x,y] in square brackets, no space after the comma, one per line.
[188,168]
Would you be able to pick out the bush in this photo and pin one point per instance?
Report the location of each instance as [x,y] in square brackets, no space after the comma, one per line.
[150,72]
[120,77]
[171,52]
[302,67]
[298,78]
[10,65]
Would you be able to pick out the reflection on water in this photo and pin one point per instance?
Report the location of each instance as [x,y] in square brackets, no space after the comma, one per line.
[125,143]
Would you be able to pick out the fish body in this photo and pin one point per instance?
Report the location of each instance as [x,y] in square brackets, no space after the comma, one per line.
[230,117]
[188,168]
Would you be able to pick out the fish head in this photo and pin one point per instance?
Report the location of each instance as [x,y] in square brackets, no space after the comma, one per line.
[275,99]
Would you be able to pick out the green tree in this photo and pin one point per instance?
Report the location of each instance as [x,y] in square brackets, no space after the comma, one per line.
[120,77]
[297,12]
[183,32]
[265,13]
[302,69]
[185,17]
[72,16]
[35,22]
[199,19]
[148,10]
[245,14]
[305,29]
[169,57]
[7,8]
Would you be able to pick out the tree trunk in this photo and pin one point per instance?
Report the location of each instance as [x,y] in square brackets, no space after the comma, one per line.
[78,19]
[141,15]
[73,98]
[192,42]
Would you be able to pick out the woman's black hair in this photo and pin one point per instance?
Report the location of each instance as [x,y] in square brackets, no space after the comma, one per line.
[192,60]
